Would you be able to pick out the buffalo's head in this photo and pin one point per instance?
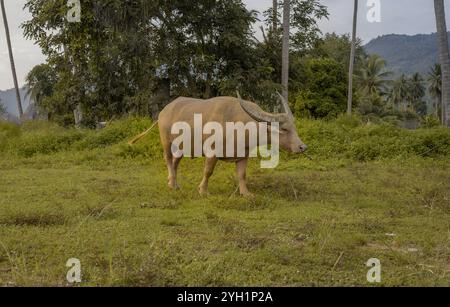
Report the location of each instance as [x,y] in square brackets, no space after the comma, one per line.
[288,136]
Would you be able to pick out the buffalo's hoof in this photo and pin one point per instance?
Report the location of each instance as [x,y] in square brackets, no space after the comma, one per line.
[203,192]
[174,186]
[248,195]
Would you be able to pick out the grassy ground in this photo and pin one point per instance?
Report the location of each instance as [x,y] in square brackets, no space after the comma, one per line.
[312,222]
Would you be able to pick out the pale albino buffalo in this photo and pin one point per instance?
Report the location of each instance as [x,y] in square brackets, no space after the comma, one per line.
[224,110]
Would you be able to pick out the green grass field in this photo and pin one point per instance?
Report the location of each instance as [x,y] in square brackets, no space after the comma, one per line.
[369,192]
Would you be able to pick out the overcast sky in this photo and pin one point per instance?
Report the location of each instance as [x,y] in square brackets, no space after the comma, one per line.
[399,17]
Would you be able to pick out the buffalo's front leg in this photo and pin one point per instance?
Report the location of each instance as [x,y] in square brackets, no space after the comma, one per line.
[210,164]
[241,170]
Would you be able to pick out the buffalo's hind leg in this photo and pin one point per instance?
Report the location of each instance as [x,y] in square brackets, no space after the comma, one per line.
[210,164]
[172,166]
[241,170]
[176,163]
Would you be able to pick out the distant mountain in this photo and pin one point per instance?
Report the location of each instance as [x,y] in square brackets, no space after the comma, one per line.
[8,99]
[406,54]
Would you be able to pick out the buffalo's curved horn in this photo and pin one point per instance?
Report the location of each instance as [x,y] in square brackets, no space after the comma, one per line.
[285,105]
[257,114]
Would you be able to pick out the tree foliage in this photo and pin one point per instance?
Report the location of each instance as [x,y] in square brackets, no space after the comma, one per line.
[135,56]
[373,76]
[325,90]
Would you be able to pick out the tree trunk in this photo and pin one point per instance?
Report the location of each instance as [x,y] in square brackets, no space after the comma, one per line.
[274,17]
[443,108]
[443,58]
[11,58]
[437,104]
[285,52]
[352,60]
[78,116]
[440,104]
[435,109]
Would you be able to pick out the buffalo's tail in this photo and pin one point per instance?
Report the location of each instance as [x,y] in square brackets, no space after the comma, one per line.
[142,135]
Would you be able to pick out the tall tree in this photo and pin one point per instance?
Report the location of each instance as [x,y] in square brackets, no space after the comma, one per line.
[417,88]
[435,89]
[338,47]
[304,34]
[40,83]
[352,60]
[443,57]
[134,56]
[274,16]
[305,15]
[285,52]
[373,76]
[324,93]
[400,93]
[416,93]
[11,58]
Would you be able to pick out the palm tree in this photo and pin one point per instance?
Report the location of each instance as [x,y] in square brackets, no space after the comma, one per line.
[443,57]
[435,89]
[400,93]
[40,82]
[352,60]
[285,52]
[274,16]
[373,76]
[417,89]
[11,58]
[416,93]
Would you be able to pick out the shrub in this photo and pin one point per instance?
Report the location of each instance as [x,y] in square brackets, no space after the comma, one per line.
[430,143]
[46,143]
[376,147]
[352,121]
[36,137]
[429,121]
[114,133]
[343,138]
[8,131]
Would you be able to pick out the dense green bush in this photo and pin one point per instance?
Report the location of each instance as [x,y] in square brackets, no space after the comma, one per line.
[430,142]
[430,121]
[343,138]
[114,133]
[7,132]
[30,144]
[45,138]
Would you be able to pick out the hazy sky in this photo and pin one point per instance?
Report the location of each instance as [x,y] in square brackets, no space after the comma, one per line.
[398,16]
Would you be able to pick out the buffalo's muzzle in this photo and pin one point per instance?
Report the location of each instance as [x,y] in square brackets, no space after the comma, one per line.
[303,148]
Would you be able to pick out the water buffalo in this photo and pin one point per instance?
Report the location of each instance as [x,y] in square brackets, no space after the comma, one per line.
[224,110]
